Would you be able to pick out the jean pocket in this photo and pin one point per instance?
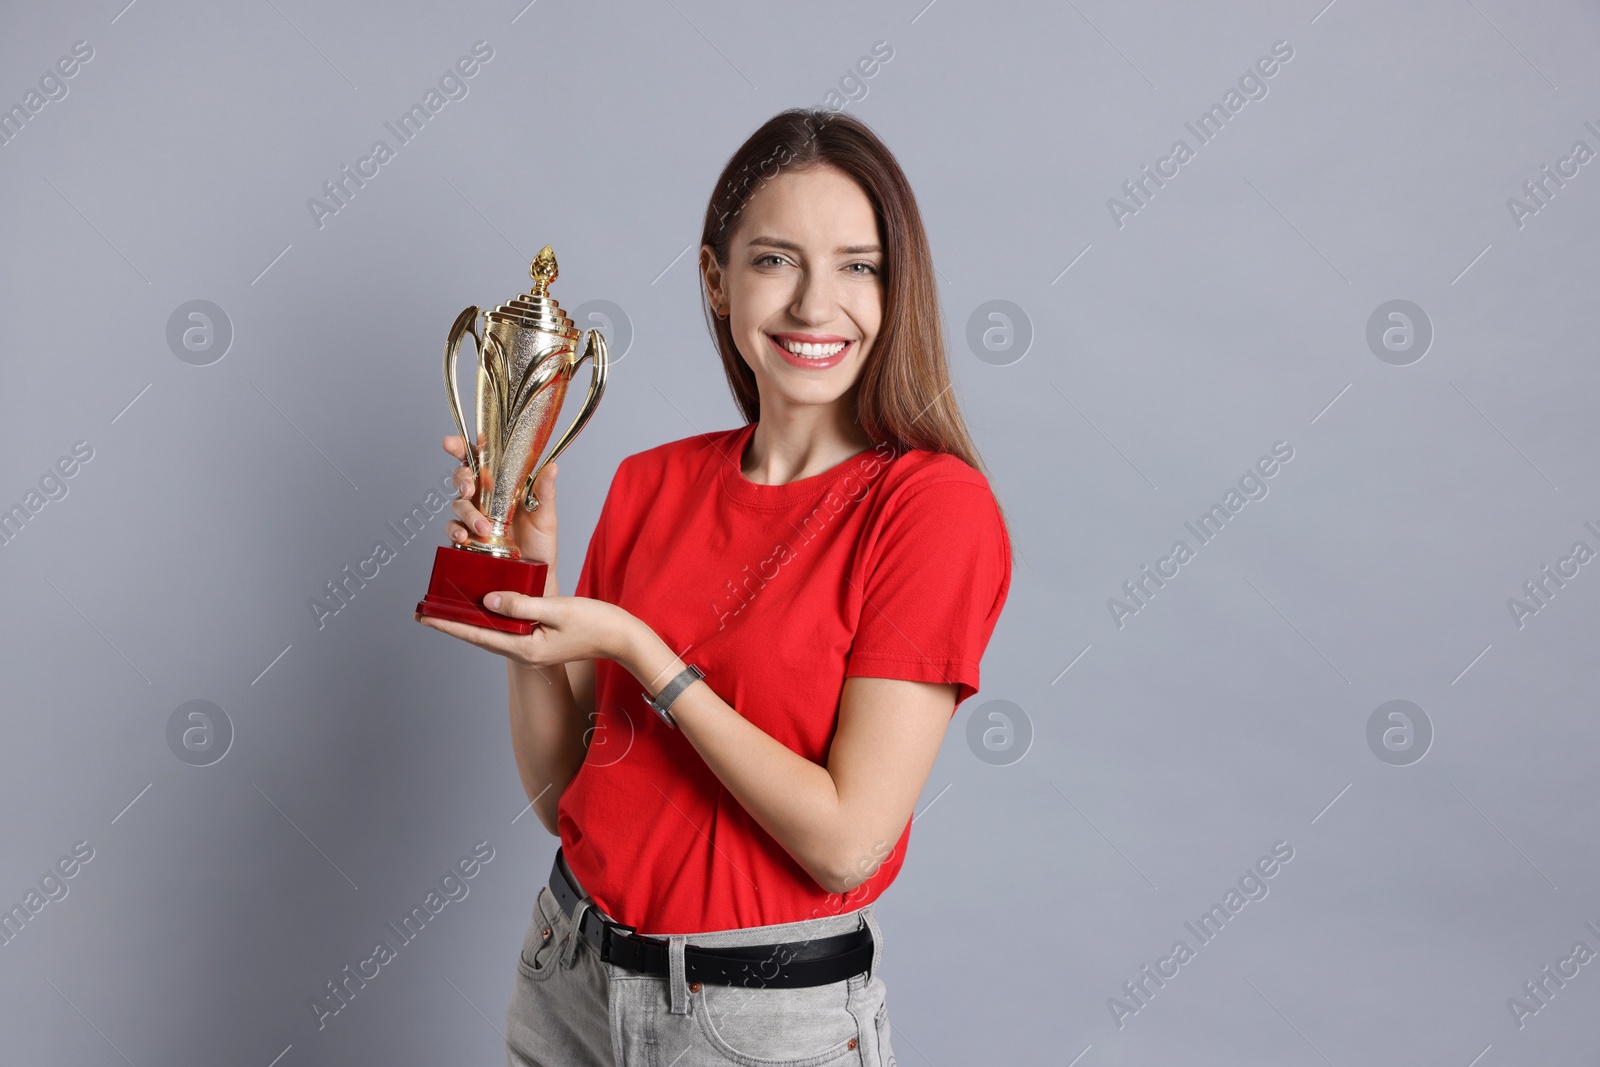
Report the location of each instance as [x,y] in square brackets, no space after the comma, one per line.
[541,945]
[885,1050]
[811,1026]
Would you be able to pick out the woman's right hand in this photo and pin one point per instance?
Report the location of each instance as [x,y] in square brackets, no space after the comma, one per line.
[533,533]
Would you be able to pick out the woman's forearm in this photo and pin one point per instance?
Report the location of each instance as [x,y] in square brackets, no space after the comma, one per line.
[792,798]
[546,734]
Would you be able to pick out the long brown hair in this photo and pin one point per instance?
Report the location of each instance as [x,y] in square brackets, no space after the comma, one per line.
[904,394]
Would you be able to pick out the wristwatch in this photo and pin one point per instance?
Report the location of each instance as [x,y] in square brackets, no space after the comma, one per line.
[663,700]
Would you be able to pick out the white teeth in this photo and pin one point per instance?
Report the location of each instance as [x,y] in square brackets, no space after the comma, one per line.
[810,351]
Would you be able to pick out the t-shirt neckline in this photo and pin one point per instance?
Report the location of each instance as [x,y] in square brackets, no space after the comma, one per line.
[742,489]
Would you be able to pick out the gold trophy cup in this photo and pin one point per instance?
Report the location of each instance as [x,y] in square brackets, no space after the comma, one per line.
[527,355]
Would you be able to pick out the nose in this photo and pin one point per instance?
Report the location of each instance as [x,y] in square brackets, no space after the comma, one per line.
[815,302]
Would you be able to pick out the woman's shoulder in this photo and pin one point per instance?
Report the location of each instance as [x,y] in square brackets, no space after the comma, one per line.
[915,472]
[934,506]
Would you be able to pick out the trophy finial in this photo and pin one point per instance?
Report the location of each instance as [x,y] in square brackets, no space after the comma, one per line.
[543,271]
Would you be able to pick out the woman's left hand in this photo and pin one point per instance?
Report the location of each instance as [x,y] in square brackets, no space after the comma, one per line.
[569,628]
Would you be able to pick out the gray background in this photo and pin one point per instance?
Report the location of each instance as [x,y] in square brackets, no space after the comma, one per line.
[1228,314]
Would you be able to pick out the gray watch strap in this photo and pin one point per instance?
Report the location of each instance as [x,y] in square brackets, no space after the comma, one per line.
[662,702]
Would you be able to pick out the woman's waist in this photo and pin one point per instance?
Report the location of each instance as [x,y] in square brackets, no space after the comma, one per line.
[786,909]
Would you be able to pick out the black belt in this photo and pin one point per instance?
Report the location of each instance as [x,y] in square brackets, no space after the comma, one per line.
[818,961]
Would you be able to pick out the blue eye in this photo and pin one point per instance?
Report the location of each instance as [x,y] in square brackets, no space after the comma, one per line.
[870,268]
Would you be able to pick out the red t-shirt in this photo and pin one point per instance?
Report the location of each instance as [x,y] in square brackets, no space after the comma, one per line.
[885,566]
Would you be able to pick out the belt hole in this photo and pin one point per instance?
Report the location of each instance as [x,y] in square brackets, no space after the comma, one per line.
[694,987]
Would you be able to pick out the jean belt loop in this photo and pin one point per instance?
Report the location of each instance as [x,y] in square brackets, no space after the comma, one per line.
[569,952]
[877,939]
[677,983]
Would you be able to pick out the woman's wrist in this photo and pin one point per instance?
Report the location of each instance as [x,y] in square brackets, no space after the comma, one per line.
[528,674]
[648,658]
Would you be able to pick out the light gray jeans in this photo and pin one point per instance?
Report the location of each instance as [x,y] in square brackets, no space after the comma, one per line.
[569,1009]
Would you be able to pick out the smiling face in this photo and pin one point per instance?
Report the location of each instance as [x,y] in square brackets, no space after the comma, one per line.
[803,286]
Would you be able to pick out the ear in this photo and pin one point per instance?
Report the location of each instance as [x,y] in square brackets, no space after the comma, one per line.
[711,271]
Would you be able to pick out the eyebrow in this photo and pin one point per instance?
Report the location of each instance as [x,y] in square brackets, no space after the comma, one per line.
[847,250]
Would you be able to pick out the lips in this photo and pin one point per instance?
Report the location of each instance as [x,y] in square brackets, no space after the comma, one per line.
[811,362]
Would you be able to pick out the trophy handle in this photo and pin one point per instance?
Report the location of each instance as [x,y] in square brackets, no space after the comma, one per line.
[594,347]
[466,323]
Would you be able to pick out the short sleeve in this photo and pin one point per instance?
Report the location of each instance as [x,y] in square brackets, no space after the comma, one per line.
[936,578]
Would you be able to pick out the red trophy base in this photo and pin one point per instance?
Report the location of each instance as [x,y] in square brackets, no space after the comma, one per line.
[462,578]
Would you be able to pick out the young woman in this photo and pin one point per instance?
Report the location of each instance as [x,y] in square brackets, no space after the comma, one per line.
[728,725]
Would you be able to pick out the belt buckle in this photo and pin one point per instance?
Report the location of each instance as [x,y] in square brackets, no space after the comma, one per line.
[610,931]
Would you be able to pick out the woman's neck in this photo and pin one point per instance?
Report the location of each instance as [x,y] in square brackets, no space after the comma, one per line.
[789,446]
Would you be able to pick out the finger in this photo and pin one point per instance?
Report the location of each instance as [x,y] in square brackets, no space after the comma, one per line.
[455,531]
[544,491]
[470,516]
[456,446]
[544,487]
[496,641]
[465,481]
[518,606]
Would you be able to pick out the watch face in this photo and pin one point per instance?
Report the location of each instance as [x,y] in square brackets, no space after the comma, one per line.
[666,716]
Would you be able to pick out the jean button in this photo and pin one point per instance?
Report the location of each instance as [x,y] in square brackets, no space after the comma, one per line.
[694,987]
[852,1043]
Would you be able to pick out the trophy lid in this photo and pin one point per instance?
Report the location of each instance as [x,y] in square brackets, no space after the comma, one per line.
[536,309]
